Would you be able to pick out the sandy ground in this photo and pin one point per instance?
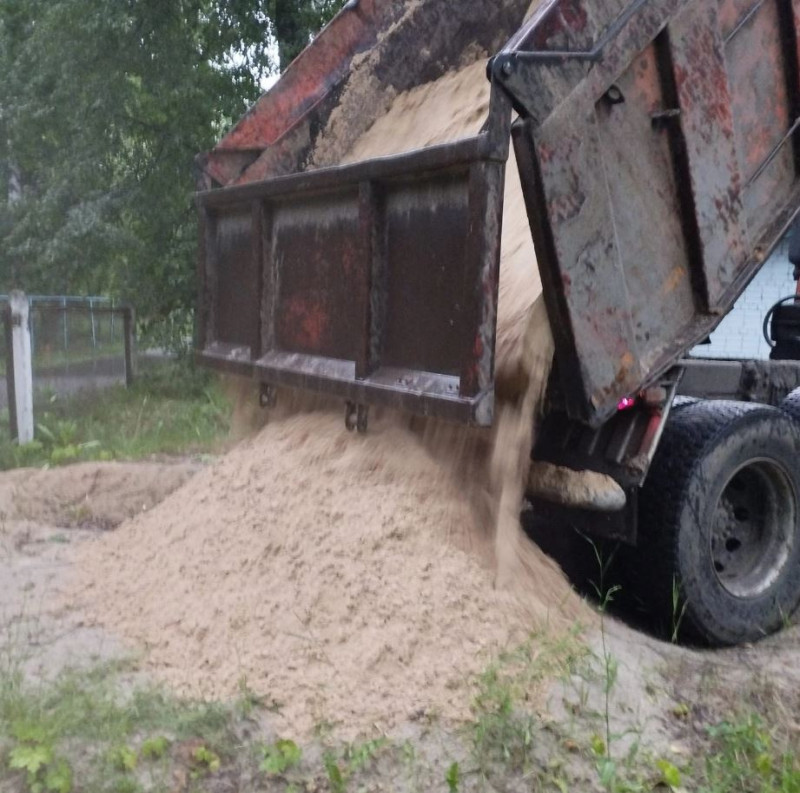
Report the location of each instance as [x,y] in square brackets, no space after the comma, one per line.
[655,679]
[44,517]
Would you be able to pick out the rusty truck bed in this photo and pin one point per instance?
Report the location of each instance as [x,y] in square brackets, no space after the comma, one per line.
[657,143]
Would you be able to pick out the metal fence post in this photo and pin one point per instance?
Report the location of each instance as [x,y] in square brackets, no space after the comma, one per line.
[12,399]
[32,324]
[94,333]
[19,372]
[129,323]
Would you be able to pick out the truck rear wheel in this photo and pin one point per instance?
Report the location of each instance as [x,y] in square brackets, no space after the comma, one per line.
[719,534]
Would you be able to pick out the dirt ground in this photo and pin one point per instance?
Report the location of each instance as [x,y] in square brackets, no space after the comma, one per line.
[44,516]
[663,698]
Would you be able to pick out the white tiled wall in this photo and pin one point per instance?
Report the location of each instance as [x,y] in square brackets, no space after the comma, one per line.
[739,335]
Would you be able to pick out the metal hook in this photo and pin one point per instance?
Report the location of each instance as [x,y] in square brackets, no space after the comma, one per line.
[614,96]
[268,397]
[356,417]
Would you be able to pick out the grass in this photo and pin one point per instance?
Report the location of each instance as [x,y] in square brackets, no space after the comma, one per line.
[90,731]
[745,756]
[504,728]
[173,409]
[47,359]
[739,754]
[97,730]
[510,739]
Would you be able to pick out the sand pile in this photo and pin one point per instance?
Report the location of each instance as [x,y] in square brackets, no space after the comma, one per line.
[90,495]
[354,579]
[344,577]
[461,99]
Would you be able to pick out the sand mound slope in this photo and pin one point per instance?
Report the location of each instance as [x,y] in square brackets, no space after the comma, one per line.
[328,570]
[91,495]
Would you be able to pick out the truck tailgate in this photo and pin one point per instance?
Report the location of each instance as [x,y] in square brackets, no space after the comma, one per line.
[658,149]
[376,282]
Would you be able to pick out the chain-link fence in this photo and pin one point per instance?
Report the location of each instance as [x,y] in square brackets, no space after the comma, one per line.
[76,344]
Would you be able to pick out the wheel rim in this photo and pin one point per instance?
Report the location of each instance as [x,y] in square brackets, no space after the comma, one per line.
[753,529]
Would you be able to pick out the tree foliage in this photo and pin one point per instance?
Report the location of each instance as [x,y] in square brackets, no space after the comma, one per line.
[295,23]
[103,106]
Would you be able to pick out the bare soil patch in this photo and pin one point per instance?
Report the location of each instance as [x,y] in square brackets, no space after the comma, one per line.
[46,516]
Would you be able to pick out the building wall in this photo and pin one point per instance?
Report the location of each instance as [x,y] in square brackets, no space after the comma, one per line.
[740,334]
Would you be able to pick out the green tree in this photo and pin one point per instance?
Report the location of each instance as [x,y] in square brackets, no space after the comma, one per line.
[296,22]
[103,106]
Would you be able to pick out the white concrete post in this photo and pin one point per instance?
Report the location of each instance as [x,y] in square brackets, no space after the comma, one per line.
[22,365]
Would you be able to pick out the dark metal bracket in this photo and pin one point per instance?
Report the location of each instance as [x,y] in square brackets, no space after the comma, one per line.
[356,417]
[504,65]
[665,118]
[268,397]
[514,70]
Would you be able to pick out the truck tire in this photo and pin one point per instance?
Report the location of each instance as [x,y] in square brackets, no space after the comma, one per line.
[681,402]
[720,523]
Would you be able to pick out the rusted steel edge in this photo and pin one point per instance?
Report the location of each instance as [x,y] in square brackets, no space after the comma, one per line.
[315,71]
[592,54]
[401,166]
[477,410]
[308,80]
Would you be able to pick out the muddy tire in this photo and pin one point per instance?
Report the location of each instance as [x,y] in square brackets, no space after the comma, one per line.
[720,523]
[681,402]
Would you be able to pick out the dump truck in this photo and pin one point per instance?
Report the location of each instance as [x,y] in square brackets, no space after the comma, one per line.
[657,146]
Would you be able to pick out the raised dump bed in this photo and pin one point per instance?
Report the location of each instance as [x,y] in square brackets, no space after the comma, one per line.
[657,148]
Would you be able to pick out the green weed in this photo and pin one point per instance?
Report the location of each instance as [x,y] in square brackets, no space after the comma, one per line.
[360,755]
[82,720]
[35,756]
[745,757]
[352,759]
[336,779]
[123,758]
[280,757]
[670,773]
[206,760]
[503,732]
[615,774]
[155,748]
[679,605]
[453,778]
